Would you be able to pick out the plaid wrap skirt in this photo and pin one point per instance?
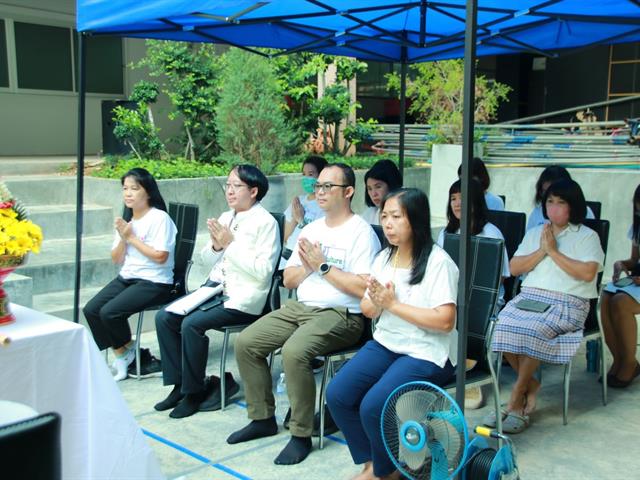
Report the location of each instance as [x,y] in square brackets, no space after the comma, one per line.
[552,336]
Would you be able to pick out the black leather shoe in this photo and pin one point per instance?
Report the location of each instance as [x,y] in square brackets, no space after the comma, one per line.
[329,425]
[213,402]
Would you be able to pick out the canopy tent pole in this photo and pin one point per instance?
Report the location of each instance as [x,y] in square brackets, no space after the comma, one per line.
[403,108]
[464,283]
[80,171]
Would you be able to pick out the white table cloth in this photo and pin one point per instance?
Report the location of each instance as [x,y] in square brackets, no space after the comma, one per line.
[54,365]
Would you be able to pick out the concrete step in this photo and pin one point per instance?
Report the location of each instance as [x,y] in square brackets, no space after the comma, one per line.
[36,165]
[59,221]
[54,268]
[19,288]
[42,189]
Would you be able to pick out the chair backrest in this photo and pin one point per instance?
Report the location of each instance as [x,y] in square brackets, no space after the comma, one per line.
[185,216]
[486,272]
[380,234]
[31,448]
[513,227]
[273,299]
[596,208]
[601,227]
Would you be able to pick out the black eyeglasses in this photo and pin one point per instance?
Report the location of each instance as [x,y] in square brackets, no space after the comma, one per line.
[325,187]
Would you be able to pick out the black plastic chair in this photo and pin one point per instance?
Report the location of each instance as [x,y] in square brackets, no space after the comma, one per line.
[513,226]
[596,208]
[593,324]
[486,273]
[273,303]
[380,234]
[185,217]
[31,448]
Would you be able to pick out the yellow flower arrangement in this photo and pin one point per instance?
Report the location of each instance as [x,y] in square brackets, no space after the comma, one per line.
[18,235]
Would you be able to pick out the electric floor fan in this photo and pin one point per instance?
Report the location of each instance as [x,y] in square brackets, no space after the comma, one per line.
[425,435]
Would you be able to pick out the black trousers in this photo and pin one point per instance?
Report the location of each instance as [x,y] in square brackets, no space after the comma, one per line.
[108,312]
[184,347]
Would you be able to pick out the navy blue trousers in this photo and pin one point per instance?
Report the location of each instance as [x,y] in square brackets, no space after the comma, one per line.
[358,392]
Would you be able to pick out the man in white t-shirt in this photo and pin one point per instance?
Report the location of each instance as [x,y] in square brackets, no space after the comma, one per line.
[328,267]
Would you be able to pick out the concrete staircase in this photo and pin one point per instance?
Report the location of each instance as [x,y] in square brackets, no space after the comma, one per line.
[50,199]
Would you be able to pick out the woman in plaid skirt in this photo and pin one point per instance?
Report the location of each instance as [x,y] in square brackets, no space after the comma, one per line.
[559,261]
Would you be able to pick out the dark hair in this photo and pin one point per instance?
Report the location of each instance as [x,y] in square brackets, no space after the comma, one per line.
[479,172]
[315,160]
[479,211]
[415,205]
[385,171]
[146,181]
[253,177]
[551,174]
[348,177]
[635,235]
[570,192]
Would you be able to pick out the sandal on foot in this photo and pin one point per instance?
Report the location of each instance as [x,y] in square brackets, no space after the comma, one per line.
[515,423]
[490,419]
[615,382]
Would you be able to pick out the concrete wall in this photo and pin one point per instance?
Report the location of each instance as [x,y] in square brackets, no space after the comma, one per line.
[44,122]
[209,194]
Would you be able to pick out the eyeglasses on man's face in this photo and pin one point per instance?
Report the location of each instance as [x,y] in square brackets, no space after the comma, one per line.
[233,187]
[326,187]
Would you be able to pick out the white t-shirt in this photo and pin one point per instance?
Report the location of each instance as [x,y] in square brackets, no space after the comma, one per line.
[537,218]
[630,235]
[157,230]
[494,202]
[489,231]
[439,286]
[351,247]
[312,211]
[371,215]
[576,242]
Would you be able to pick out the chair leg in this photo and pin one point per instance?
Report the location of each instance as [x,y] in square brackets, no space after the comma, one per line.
[565,388]
[137,343]
[223,364]
[323,393]
[603,370]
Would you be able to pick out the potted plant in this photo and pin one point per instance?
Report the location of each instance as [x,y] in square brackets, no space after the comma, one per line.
[18,237]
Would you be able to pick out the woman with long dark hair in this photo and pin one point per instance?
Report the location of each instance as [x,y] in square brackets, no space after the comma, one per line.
[412,289]
[144,245]
[618,309]
[544,322]
[383,177]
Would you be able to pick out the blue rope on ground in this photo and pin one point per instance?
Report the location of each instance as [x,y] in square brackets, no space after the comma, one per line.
[195,455]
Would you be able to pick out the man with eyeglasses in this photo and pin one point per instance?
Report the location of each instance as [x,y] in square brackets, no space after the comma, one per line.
[328,267]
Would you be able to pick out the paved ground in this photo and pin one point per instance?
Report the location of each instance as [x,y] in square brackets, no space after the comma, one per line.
[598,443]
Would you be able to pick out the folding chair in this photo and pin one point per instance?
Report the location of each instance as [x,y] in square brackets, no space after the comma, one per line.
[185,217]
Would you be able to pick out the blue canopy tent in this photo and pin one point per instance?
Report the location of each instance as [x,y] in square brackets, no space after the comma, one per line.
[400,31]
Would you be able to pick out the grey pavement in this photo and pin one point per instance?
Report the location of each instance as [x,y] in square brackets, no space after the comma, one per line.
[599,442]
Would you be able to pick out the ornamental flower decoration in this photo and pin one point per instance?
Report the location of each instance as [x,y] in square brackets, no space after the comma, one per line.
[18,235]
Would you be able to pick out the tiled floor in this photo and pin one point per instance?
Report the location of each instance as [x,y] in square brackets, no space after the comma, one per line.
[598,443]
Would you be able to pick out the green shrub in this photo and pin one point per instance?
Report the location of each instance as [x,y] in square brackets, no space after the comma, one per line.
[250,114]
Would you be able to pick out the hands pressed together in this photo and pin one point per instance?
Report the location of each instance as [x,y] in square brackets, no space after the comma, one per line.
[310,254]
[382,296]
[124,229]
[297,211]
[220,234]
[548,242]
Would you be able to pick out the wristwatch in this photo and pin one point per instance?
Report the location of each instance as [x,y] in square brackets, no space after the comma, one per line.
[324,269]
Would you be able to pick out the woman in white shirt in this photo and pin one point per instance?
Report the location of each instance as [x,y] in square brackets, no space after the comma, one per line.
[618,311]
[144,244]
[481,174]
[412,288]
[383,177]
[303,209]
[549,175]
[243,250]
[544,322]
